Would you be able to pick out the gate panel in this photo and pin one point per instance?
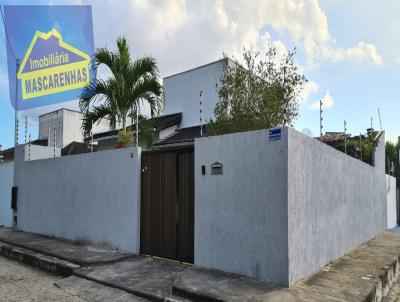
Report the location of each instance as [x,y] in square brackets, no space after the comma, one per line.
[158,231]
[167,204]
[186,206]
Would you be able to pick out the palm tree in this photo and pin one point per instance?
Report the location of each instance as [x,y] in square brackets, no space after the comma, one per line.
[118,98]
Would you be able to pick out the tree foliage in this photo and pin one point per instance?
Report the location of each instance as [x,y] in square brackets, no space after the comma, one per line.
[133,83]
[262,93]
[392,158]
[363,147]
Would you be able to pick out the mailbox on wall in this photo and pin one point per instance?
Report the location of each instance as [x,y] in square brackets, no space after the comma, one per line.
[217,168]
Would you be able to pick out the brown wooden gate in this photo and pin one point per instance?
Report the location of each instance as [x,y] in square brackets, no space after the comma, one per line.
[167,204]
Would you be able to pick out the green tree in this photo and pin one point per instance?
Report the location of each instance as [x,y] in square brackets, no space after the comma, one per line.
[392,158]
[118,98]
[263,93]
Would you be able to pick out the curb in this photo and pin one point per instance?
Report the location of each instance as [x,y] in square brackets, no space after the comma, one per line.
[384,282]
[193,296]
[139,293]
[44,262]
[50,254]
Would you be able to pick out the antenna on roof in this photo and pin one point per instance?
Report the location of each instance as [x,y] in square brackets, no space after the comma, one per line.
[201,113]
[380,119]
[307,132]
[345,137]
[91,138]
[26,129]
[320,120]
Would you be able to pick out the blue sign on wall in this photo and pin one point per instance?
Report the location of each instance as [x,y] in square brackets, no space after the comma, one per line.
[275,134]
[49,54]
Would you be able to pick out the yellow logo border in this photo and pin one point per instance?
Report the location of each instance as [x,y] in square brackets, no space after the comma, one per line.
[46,36]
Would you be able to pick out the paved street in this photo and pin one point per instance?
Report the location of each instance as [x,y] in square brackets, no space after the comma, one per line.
[20,282]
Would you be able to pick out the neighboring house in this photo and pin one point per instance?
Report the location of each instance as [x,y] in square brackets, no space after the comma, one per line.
[182,92]
[163,127]
[180,121]
[65,124]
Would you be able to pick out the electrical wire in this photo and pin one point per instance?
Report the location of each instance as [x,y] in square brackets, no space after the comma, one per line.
[6,33]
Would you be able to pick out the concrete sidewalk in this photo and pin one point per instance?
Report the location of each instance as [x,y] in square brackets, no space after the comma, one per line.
[365,274]
[78,253]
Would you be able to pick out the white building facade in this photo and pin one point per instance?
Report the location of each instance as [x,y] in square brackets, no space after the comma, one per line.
[182,92]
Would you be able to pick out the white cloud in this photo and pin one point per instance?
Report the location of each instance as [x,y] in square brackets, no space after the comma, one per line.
[183,34]
[309,88]
[363,51]
[327,102]
[307,24]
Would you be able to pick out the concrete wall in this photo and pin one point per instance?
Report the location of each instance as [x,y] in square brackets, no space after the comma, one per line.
[6,183]
[182,93]
[35,152]
[391,201]
[241,215]
[335,202]
[68,127]
[52,121]
[282,209]
[92,196]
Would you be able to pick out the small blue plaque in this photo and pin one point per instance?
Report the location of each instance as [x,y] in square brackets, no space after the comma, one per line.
[275,134]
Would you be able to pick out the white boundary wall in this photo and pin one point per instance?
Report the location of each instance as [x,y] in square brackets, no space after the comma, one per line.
[335,202]
[6,183]
[391,201]
[282,209]
[241,215]
[92,197]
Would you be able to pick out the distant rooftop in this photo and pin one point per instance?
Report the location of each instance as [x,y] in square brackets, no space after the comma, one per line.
[183,135]
[159,123]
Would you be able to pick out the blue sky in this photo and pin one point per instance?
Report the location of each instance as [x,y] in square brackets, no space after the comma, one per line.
[349,52]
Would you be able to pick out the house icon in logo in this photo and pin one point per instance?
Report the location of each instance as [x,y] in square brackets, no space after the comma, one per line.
[51,66]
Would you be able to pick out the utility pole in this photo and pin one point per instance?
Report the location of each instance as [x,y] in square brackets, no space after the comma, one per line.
[16,105]
[345,137]
[91,138]
[137,126]
[29,149]
[54,141]
[201,113]
[380,119]
[26,129]
[320,120]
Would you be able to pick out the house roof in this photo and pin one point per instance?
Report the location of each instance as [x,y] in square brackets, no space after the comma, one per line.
[8,154]
[333,137]
[159,123]
[183,135]
[61,109]
[194,68]
[76,148]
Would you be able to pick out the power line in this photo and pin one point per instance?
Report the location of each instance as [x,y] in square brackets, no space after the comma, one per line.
[6,33]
